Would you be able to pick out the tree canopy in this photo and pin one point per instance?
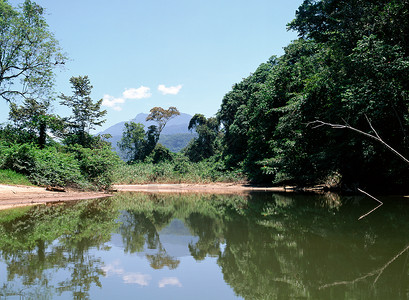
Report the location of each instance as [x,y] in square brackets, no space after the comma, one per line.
[132,140]
[161,116]
[349,64]
[28,52]
[205,144]
[86,114]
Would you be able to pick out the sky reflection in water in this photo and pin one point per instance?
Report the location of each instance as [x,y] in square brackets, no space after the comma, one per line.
[262,246]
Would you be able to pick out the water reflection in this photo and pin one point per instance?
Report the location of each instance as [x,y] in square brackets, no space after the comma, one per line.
[262,246]
[38,243]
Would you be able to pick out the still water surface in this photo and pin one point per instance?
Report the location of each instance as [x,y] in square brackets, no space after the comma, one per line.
[261,246]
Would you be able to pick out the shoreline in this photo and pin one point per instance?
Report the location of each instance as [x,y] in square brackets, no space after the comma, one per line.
[12,196]
[206,188]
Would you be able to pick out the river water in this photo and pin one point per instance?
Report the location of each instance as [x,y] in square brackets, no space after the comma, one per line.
[258,246]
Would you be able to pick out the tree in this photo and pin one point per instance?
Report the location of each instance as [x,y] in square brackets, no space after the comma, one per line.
[351,61]
[29,52]
[86,114]
[34,118]
[132,141]
[234,114]
[162,116]
[205,145]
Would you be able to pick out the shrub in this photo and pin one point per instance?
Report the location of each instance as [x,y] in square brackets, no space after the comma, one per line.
[159,154]
[96,165]
[43,167]
[61,166]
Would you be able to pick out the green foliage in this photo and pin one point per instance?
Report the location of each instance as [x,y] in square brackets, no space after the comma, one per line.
[179,170]
[60,166]
[48,166]
[206,144]
[132,141]
[34,119]
[344,68]
[86,114]
[235,117]
[96,165]
[160,154]
[29,52]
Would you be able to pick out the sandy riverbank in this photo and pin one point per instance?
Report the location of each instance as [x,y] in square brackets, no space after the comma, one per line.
[216,188]
[14,196]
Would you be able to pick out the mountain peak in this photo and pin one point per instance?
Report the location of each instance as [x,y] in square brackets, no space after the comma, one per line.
[178,124]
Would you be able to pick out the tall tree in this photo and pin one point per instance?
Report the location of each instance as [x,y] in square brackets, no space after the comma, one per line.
[161,116]
[34,118]
[132,141]
[205,145]
[28,51]
[86,114]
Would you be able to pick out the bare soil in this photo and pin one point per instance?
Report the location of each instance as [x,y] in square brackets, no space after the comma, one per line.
[14,196]
[215,188]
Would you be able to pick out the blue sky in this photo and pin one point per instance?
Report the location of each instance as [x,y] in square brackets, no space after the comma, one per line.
[183,53]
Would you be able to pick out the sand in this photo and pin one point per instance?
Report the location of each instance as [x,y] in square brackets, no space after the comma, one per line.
[15,196]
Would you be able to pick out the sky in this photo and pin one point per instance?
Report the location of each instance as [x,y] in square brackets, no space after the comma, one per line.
[183,53]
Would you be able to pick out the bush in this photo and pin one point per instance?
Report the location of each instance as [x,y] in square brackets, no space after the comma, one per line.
[61,166]
[96,165]
[53,167]
[159,154]
[42,167]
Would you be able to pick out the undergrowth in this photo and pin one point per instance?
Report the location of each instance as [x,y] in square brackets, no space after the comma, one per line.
[178,171]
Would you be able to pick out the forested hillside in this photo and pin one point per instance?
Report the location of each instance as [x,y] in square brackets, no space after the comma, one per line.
[175,135]
[350,65]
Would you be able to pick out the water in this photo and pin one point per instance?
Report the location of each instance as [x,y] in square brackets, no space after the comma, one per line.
[262,246]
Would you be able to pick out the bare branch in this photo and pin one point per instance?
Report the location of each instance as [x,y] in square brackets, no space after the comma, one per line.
[381,203]
[375,137]
[377,272]
[373,129]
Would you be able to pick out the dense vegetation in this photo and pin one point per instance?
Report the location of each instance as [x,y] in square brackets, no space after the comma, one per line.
[350,65]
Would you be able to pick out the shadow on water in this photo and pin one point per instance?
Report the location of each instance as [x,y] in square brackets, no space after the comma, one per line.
[266,246]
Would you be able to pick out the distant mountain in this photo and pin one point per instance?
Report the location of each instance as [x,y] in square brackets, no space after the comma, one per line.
[178,124]
[175,136]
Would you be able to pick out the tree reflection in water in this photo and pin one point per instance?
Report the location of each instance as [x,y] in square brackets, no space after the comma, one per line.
[268,246]
[288,246]
[138,228]
[28,247]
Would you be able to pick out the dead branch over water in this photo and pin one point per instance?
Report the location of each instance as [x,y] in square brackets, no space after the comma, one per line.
[380,204]
[377,272]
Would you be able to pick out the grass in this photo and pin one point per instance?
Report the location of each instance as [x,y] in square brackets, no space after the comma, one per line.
[13,178]
[171,172]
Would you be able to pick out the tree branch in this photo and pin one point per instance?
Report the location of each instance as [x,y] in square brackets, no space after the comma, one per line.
[381,203]
[375,137]
[377,272]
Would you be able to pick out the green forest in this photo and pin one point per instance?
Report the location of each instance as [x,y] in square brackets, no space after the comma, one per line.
[332,110]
